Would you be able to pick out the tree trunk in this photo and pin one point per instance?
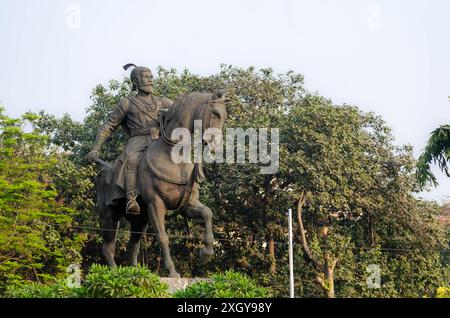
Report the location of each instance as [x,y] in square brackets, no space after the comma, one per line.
[330,278]
[326,267]
[273,264]
[329,274]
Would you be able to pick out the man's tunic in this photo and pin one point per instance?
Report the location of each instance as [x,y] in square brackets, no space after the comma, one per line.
[139,120]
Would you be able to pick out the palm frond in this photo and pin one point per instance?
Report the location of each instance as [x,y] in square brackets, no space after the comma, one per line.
[437,151]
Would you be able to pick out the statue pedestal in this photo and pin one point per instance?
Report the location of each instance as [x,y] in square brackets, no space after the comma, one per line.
[181,283]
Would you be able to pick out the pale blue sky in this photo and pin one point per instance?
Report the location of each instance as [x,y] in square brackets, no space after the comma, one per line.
[391,57]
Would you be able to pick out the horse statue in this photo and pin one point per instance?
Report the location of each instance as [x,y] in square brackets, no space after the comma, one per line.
[164,184]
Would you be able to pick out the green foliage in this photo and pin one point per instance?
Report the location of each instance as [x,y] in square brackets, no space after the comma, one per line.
[359,186]
[228,285]
[443,292]
[59,289]
[36,238]
[437,151]
[100,282]
[122,282]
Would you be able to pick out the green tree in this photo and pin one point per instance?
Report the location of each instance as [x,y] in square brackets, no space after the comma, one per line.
[358,188]
[36,238]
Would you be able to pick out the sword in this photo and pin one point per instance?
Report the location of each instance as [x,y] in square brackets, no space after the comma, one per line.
[104,163]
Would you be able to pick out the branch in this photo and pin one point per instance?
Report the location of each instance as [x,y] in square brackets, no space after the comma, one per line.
[304,242]
[333,263]
[321,282]
[329,262]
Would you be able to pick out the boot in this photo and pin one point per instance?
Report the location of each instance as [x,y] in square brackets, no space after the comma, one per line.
[133,206]
[131,188]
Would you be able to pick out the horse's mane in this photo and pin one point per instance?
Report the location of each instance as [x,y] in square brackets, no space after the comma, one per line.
[187,102]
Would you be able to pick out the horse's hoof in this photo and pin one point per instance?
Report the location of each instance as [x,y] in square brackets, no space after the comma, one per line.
[205,255]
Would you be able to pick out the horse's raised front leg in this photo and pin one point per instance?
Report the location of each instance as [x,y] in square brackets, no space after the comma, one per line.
[138,229]
[157,214]
[195,210]
[109,229]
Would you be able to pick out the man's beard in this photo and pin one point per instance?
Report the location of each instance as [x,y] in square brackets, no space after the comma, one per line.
[146,88]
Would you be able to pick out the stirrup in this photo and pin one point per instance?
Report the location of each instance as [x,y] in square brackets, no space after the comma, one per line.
[133,206]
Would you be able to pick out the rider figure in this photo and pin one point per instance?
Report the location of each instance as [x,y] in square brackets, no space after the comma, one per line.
[138,116]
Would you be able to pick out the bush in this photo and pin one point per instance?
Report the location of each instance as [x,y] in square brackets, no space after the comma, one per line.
[36,290]
[123,282]
[228,285]
[443,292]
[100,282]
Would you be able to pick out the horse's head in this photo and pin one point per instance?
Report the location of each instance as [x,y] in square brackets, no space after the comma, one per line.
[209,109]
[213,119]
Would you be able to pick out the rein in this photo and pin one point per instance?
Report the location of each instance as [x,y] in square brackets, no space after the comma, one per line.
[164,136]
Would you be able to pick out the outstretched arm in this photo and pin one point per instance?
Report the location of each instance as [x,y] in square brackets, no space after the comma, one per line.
[106,130]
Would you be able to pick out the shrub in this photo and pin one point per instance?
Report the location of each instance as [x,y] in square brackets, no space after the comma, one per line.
[443,292]
[228,285]
[100,282]
[37,290]
[122,282]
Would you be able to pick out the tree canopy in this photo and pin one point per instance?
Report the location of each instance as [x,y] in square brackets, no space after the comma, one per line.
[355,186]
[36,238]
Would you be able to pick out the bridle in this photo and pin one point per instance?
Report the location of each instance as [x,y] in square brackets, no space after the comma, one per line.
[206,123]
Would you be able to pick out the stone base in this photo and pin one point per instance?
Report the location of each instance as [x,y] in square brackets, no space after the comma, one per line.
[181,283]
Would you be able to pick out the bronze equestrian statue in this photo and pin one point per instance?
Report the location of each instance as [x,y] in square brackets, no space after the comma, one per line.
[144,182]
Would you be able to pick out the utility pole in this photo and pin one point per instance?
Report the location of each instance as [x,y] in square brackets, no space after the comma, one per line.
[291,256]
